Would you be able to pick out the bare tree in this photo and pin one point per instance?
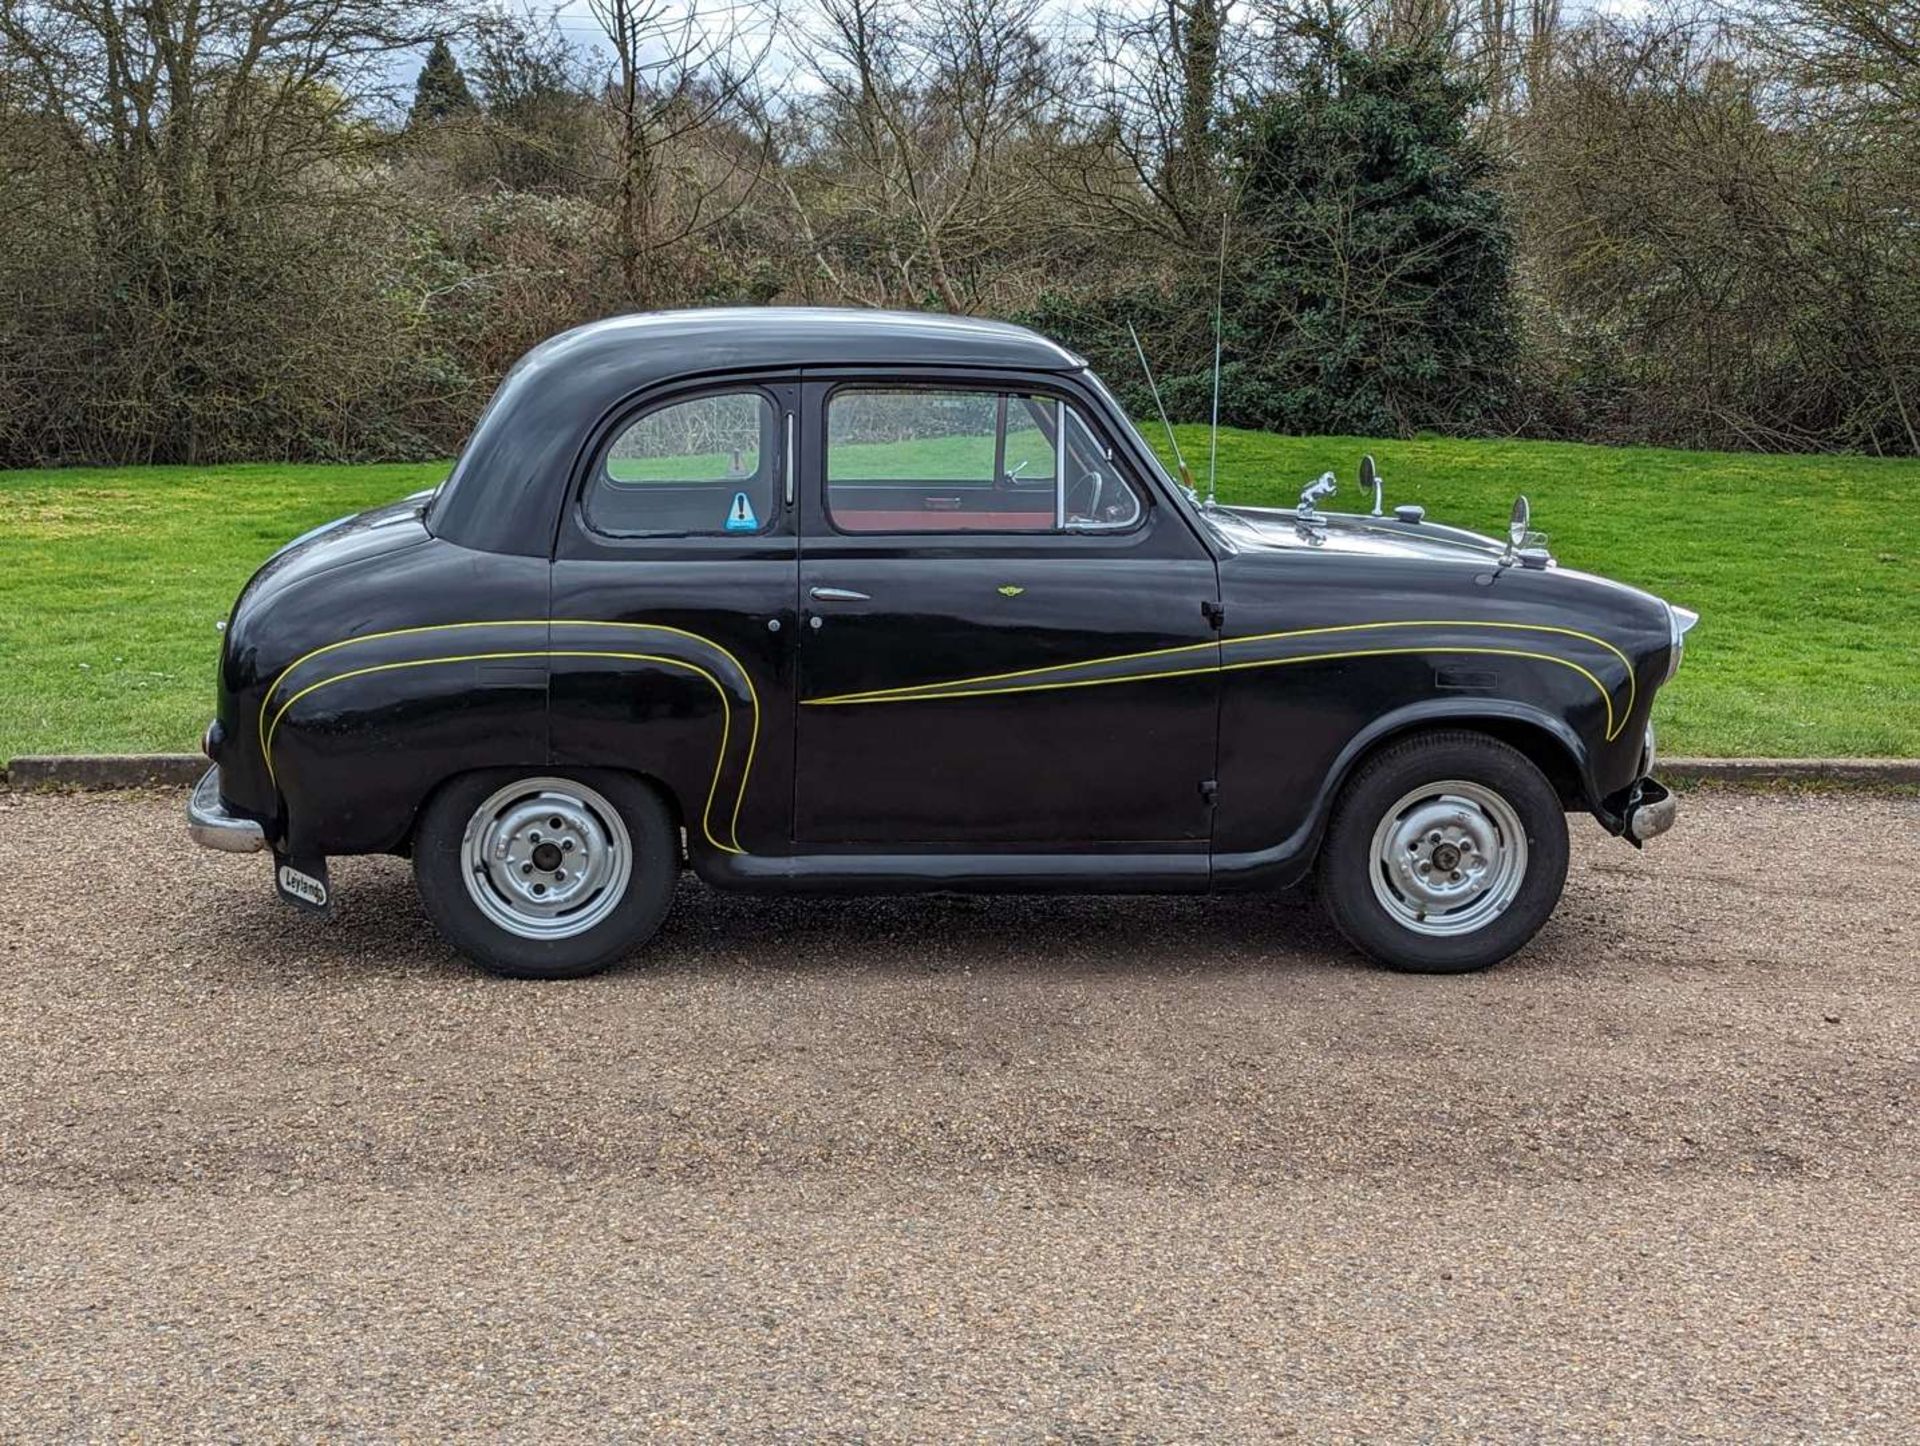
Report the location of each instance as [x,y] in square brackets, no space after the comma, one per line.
[1863,55]
[1716,263]
[1150,114]
[921,145]
[541,112]
[683,158]
[173,148]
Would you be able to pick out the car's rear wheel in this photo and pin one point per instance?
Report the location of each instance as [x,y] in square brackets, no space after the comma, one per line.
[1446,853]
[546,875]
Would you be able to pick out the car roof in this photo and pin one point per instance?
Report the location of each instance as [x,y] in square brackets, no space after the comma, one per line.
[498,497]
[721,338]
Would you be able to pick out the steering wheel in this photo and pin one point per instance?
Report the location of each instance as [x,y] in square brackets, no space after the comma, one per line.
[1094,485]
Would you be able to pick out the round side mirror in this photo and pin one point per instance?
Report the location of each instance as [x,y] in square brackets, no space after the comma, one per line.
[1518,523]
[1367,472]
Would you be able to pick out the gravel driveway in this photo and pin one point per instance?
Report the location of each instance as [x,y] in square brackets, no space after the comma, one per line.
[936,1168]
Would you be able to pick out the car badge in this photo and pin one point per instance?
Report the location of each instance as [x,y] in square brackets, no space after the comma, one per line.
[1011,591]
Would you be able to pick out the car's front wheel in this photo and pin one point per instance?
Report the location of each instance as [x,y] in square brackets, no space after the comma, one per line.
[1446,853]
[545,875]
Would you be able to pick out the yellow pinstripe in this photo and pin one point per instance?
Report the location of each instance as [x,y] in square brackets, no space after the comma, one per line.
[726,712]
[934,697]
[1024,680]
[875,694]
[753,696]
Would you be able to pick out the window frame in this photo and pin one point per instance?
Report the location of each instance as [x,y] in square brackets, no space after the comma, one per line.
[777,447]
[1002,388]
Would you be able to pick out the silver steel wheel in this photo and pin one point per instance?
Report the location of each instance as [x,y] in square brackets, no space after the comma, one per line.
[1449,858]
[546,858]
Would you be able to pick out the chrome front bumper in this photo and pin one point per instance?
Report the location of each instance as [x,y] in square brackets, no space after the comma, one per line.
[1652,812]
[212,827]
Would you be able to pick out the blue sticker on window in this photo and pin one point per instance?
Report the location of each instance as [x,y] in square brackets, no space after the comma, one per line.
[740,516]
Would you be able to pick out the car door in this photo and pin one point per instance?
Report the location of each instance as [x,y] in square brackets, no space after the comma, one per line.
[1006,641]
[673,617]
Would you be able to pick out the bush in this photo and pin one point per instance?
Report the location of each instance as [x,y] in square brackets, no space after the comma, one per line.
[1369,287]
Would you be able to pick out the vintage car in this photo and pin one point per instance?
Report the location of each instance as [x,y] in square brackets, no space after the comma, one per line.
[857,601]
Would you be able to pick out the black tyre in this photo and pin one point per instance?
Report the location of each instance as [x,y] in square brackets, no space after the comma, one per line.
[546,874]
[1446,853]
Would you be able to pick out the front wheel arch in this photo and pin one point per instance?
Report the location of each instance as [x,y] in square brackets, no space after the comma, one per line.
[1542,748]
[1549,744]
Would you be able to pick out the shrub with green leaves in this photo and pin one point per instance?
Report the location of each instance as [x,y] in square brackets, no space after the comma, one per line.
[1369,284]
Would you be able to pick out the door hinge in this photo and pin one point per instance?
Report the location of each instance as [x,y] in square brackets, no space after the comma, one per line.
[1214,612]
[1209,790]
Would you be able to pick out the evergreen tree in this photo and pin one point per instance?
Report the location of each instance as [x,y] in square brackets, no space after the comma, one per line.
[442,90]
[1376,291]
[1369,285]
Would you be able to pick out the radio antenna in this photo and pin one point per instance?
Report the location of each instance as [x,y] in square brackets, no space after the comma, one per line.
[1186,477]
[1219,304]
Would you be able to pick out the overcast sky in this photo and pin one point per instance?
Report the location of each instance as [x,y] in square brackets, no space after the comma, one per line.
[576,22]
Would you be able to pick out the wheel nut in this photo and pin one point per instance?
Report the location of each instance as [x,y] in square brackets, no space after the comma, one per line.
[566,846]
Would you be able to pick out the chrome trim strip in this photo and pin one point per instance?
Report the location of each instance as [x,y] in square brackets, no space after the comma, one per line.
[787,488]
[1059,464]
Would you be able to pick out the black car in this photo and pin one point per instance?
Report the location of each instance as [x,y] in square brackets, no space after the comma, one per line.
[856,601]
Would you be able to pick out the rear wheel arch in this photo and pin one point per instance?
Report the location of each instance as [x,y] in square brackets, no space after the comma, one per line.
[668,797]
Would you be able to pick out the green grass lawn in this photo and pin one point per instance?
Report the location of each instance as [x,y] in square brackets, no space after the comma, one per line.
[1806,571]
[112,579]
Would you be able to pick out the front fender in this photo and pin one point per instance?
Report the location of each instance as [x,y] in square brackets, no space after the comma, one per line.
[1287,862]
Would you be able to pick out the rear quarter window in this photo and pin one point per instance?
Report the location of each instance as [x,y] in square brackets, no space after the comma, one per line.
[703,466]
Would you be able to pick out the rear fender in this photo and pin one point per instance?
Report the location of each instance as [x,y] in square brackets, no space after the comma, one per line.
[355,757]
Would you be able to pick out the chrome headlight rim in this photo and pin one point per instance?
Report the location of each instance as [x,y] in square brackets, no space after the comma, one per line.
[1680,622]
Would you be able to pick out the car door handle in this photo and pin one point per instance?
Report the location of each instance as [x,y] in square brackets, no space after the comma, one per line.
[836,594]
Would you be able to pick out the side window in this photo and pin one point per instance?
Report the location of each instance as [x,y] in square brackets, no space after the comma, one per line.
[1094,496]
[923,460]
[703,467]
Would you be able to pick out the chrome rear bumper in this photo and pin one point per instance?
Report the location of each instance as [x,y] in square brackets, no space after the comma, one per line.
[1652,812]
[212,827]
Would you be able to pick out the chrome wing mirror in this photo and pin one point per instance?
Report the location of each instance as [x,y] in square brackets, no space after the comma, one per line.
[1519,534]
[1517,526]
[1370,478]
